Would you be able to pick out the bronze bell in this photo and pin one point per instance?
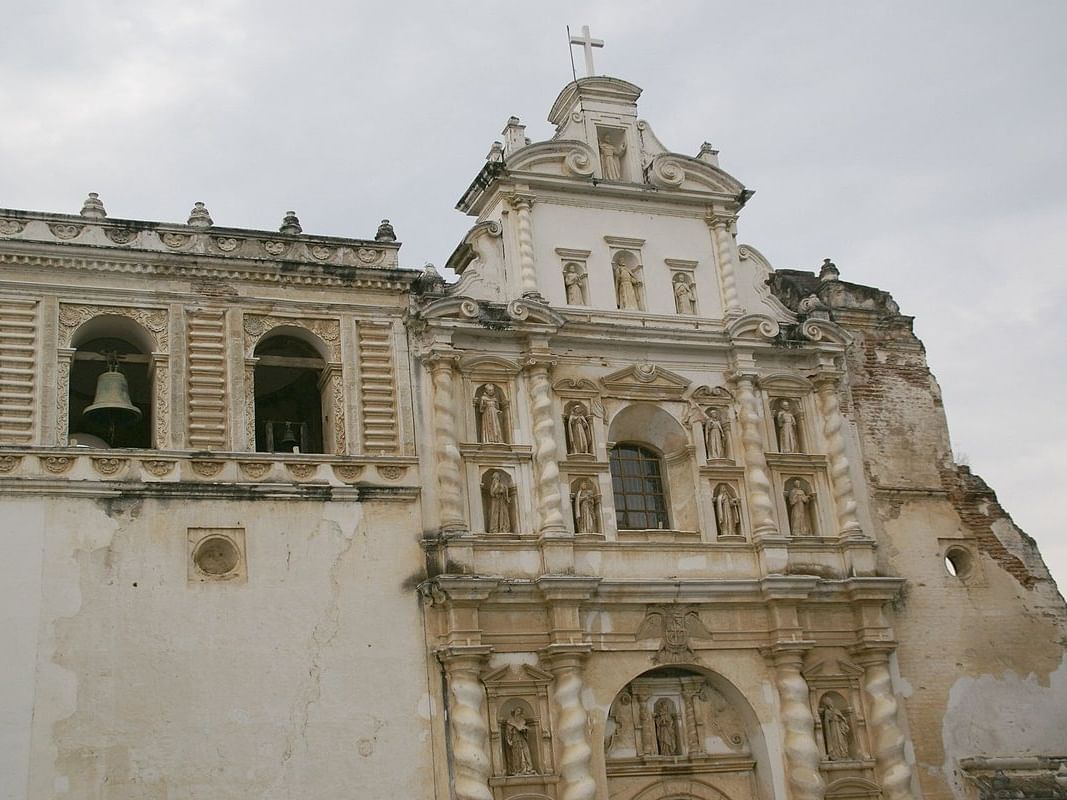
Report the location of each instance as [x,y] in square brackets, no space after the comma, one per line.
[289,442]
[112,401]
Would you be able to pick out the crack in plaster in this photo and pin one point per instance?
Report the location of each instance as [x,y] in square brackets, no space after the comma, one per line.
[324,632]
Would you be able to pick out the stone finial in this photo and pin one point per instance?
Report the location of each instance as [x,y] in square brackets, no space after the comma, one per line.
[495,154]
[828,271]
[708,154]
[514,136]
[385,232]
[290,224]
[92,207]
[199,217]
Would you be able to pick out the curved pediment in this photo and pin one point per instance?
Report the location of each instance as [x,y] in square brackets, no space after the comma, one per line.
[645,380]
[491,315]
[675,171]
[753,326]
[564,157]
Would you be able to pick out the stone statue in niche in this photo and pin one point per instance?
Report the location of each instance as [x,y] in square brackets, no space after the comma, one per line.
[787,429]
[685,296]
[517,744]
[498,520]
[666,727]
[611,159]
[586,518]
[573,280]
[626,286]
[714,435]
[579,431]
[727,512]
[490,416]
[836,731]
[798,501]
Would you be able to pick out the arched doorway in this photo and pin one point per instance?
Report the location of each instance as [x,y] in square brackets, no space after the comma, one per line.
[683,733]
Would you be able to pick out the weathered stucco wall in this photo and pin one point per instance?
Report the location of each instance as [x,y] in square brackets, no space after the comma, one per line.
[307,679]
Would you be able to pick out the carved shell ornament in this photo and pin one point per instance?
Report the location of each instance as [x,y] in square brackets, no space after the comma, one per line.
[368,255]
[159,468]
[226,244]
[348,472]
[108,466]
[65,231]
[8,463]
[174,240]
[207,469]
[255,469]
[302,471]
[275,248]
[321,252]
[57,465]
[120,235]
[9,227]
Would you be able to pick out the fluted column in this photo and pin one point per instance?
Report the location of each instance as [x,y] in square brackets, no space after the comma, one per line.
[449,480]
[565,662]
[802,754]
[848,523]
[468,727]
[894,773]
[546,452]
[522,204]
[720,227]
[757,474]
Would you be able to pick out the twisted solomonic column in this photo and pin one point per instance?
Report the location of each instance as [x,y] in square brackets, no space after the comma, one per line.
[720,227]
[522,204]
[546,453]
[469,730]
[840,475]
[449,480]
[572,725]
[894,774]
[801,750]
[757,480]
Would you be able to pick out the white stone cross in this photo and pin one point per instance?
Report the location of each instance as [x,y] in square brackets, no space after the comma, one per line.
[587,43]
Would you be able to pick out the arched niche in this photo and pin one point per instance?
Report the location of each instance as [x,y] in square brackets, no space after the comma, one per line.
[650,427]
[128,347]
[289,381]
[720,749]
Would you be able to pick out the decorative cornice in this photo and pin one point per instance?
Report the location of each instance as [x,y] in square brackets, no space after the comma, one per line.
[397,280]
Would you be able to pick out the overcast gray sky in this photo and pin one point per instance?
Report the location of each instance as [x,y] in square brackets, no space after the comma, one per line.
[921,145]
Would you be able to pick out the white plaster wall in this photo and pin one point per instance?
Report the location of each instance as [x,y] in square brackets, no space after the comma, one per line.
[665,237]
[20,607]
[309,680]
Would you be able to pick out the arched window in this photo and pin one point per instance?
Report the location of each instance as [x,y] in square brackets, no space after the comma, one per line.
[288,396]
[115,411]
[637,483]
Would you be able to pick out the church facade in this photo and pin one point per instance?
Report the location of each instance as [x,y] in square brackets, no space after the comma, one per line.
[623,512]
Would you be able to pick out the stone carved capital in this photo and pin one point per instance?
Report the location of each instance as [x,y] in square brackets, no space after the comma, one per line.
[520,201]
